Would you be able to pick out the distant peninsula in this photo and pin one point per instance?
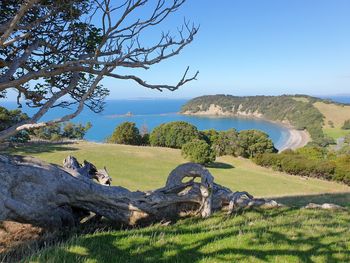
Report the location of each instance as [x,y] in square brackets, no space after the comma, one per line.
[321,119]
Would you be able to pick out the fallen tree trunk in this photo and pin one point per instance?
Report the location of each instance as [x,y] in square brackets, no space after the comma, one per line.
[47,195]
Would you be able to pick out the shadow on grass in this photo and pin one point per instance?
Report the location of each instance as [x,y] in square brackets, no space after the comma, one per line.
[342,199]
[275,235]
[193,240]
[36,148]
[219,165]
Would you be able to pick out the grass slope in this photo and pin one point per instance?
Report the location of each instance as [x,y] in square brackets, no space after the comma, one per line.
[335,113]
[146,168]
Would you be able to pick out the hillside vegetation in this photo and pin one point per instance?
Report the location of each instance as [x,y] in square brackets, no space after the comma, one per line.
[299,111]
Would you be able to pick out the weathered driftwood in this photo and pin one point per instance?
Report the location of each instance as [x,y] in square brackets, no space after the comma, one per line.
[42,194]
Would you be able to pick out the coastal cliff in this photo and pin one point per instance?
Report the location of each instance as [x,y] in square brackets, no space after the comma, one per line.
[296,112]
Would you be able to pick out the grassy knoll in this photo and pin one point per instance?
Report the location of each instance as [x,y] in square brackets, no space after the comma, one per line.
[146,168]
[282,235]
[285,235]
[335,113]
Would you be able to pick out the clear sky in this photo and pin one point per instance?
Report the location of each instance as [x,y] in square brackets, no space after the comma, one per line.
[254,47]
[248,47]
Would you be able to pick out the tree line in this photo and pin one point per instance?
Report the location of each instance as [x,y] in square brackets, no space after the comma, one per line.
[311,161]
[197,146]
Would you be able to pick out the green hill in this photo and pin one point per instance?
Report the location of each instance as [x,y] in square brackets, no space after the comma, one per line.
[300,111]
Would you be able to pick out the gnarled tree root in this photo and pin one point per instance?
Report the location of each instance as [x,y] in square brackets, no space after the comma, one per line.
[47,195]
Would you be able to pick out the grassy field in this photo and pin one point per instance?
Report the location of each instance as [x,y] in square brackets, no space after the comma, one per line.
[282,235]
[146,168]
[285,235]
[337,114]
[335,133]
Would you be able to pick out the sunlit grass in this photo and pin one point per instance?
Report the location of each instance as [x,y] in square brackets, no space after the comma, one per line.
[282,235]
[285,235]
[147,168]
[335,133]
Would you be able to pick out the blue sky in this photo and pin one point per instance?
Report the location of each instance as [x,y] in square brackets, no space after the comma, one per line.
[248,47]
[254,47]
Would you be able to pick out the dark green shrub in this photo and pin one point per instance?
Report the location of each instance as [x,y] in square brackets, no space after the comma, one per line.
[145,139]
[126,133]
[253,142]
[342,170]
[61,131]
[299,164]
[198,151]
[75,131]
[313,152]
[226,143]
[9,118]
[47,132]
[173,134]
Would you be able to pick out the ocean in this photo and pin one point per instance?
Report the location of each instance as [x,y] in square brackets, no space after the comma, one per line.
[150,113]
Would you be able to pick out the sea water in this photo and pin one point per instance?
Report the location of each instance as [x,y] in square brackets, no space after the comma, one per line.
[149,113]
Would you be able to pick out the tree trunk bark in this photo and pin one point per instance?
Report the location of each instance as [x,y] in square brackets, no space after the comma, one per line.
[47,195]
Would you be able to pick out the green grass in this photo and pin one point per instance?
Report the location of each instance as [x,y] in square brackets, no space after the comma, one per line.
[280,235]
[285,235]
[147,168]
[335,133]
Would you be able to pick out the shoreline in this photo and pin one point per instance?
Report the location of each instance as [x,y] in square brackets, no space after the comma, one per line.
[296,138]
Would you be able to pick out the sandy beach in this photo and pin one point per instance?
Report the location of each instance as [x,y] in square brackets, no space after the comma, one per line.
[297,139]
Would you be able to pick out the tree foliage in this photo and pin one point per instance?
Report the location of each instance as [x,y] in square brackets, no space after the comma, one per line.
[198,151]
[311,162]
[253,142]
[58,131]
[223,142]
[173,134]
[12,117]
[126,133]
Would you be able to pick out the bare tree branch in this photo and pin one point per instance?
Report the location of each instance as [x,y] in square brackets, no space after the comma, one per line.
[54,50]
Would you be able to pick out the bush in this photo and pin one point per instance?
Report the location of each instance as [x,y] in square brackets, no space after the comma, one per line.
[226,143]
[57,132]
[342,170]
[198,151]
[126,133]
[173,134]
[313,152]
[346,125]
[253,142]
[298,163]
[75,131]
[48,132]
[9,118]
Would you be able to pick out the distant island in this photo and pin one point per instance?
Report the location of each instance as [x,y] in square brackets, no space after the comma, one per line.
[307,117]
